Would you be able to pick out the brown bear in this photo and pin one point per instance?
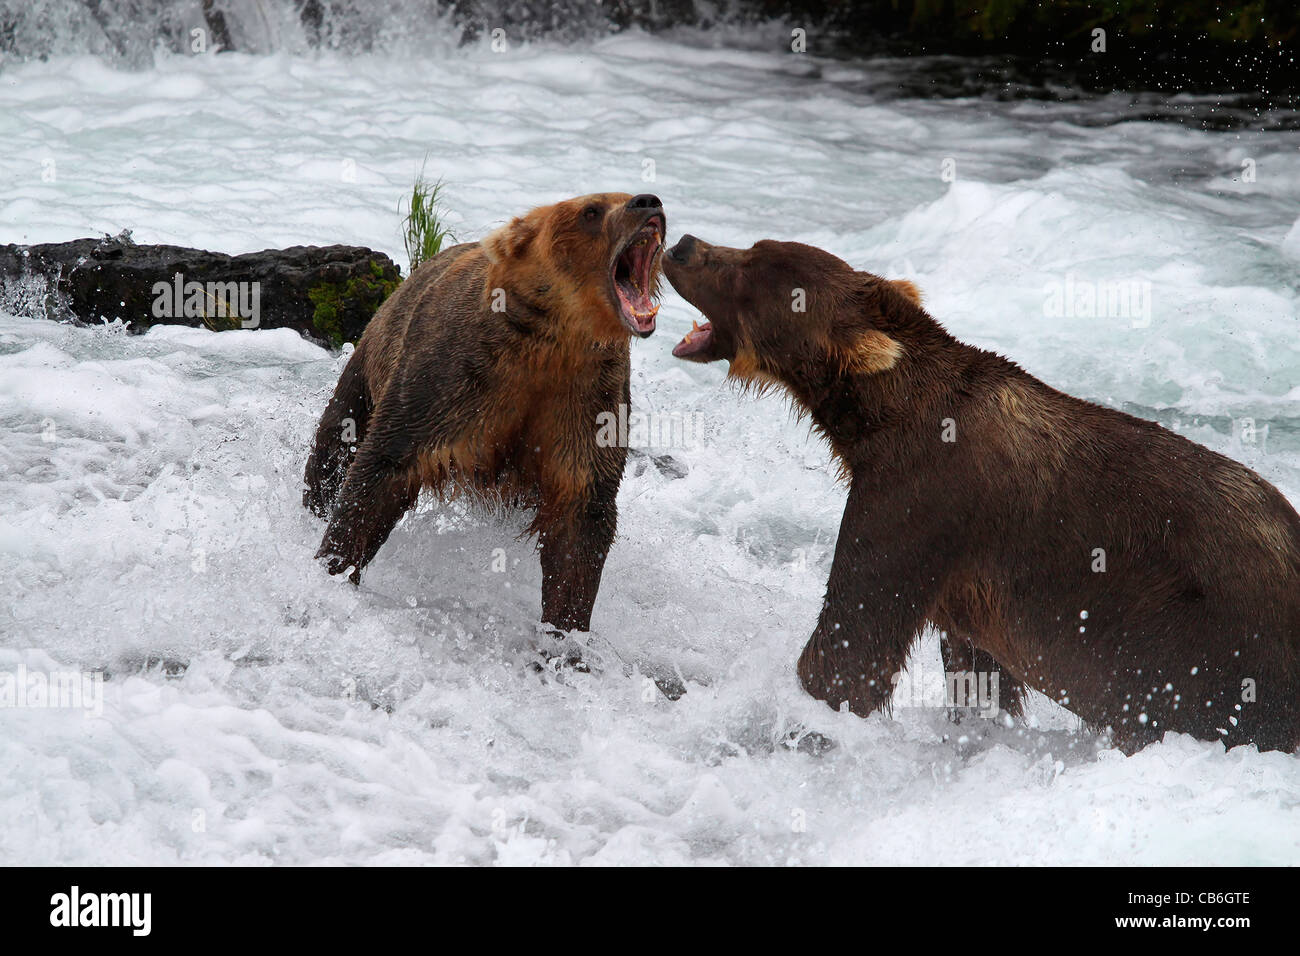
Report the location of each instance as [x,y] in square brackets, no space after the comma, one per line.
[487,371]
[1142,581]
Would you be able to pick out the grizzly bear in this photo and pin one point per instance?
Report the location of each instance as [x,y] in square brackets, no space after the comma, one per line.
[1142,581]
[486,371]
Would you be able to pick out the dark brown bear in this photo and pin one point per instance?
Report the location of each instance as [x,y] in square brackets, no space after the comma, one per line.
[1144,582]
[487,371]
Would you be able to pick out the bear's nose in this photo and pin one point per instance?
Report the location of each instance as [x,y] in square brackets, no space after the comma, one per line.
[682,251]
[644,201]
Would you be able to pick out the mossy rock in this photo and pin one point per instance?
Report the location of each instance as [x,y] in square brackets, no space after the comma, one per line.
[327,293]
[342,309]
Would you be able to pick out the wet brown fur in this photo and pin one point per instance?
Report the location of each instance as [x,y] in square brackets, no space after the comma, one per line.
[991,538]
[447,394]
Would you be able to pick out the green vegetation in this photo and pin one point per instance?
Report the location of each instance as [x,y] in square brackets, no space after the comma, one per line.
[422,228]
[343,308]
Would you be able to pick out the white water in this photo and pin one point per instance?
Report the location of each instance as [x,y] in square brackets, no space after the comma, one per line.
[149,499]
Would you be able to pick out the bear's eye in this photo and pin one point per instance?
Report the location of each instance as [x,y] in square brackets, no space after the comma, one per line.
[592,213]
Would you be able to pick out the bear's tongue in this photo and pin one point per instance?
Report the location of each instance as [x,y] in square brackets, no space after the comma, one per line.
[697,340]
[634,280]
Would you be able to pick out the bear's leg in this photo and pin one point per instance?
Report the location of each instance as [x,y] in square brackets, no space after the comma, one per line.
[877,598]
[342,429]
[574,545]
[853,668]
[362,522]
[862,639]
[379,489]
[419,411]
[962,656]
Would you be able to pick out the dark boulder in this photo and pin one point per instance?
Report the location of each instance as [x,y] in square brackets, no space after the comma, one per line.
[327,293]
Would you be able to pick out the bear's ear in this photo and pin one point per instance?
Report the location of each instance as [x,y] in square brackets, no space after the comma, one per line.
[864,347]
[510,241]
[872,352]
[908,288]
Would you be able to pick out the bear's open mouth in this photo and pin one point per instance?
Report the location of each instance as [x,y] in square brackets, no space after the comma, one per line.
[698,341]
[634,277]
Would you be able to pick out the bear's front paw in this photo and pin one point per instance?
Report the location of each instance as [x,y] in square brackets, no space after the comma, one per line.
[336,563]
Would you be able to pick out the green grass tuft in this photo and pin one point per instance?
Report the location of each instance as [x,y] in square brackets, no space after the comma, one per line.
[423,230]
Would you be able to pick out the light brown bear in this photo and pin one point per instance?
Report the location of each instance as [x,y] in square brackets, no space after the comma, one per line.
[488,371]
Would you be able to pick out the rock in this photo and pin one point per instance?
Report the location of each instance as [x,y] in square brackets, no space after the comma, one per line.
[326,293]
[667,465]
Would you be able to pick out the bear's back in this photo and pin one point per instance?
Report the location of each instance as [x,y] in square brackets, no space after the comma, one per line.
[430,304]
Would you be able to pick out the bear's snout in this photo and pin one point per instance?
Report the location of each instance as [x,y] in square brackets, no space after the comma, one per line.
[645,201]
[681,253]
